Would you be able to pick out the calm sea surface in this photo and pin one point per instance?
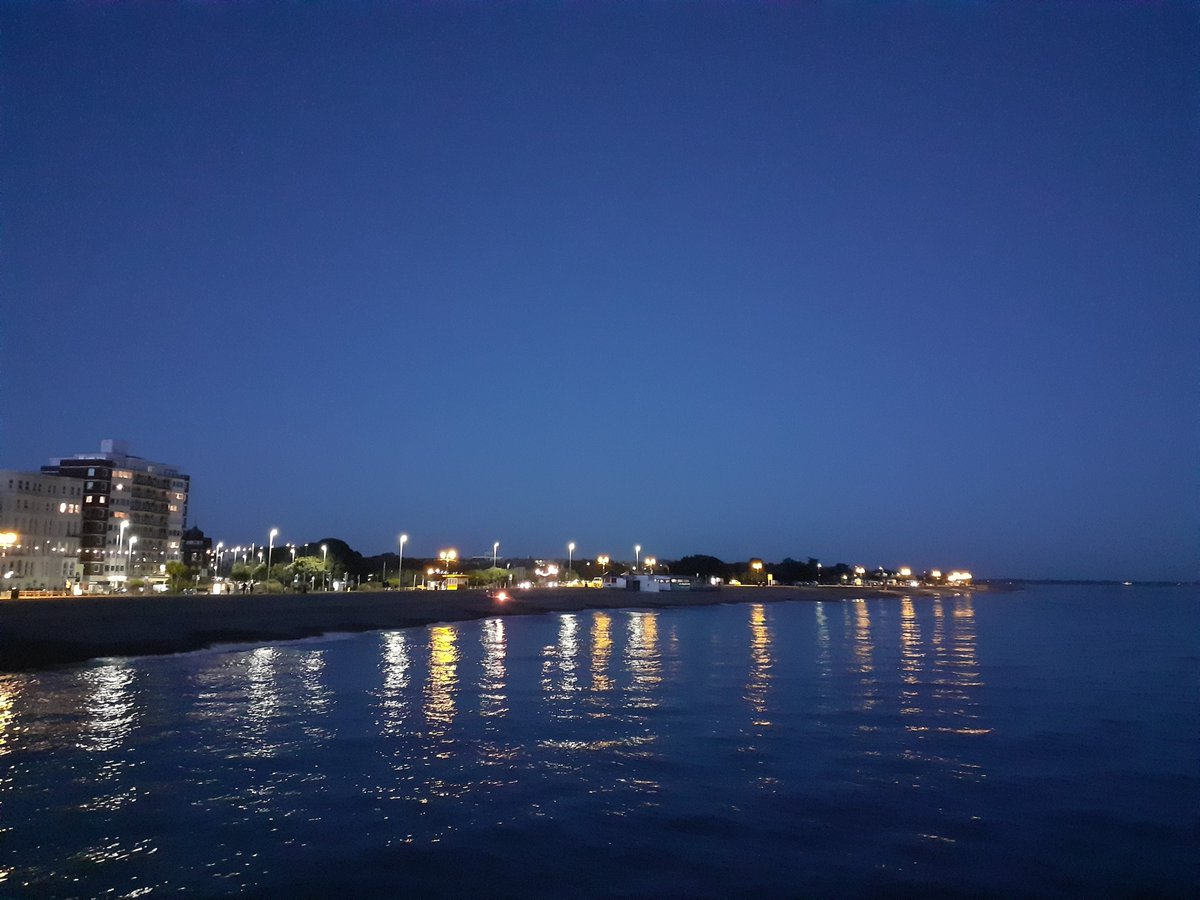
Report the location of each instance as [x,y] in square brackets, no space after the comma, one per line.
[1045,742]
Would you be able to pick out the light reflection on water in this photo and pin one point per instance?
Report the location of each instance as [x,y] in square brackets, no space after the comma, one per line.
[760,668]
[578,733]
[111,714]
[442,684]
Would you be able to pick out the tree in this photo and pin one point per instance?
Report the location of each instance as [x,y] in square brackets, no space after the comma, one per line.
[704,566]
[310,570]
[178,576]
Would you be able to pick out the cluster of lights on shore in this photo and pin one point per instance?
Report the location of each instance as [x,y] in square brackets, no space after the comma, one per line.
[446,557]
[449,557]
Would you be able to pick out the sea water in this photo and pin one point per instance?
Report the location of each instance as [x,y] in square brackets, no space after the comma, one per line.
[1044,742]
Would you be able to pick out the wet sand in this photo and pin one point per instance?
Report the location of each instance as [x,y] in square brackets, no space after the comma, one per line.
[43,633]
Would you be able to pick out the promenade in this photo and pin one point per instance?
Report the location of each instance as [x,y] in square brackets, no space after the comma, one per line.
[45,632]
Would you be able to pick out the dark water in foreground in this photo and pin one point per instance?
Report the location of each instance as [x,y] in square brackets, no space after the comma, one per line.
[1040,743]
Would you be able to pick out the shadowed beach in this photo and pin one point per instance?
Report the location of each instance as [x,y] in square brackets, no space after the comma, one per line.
[42,633]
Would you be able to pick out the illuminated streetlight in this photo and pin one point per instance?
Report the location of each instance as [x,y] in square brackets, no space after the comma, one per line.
[129,564]
[570,555]
[220,544]
[651,562]
[602,562]
[324,564]
[270,547]
[637,556]
[400,570]
[495,548]
[757,565]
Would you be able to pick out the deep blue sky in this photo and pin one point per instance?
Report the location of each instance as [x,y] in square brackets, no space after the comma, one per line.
[877,283]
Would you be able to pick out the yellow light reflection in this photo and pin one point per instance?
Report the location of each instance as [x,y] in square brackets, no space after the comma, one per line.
[9,691]
[601,651]
[760,664]
[864,655]
[443,678]
[642,659]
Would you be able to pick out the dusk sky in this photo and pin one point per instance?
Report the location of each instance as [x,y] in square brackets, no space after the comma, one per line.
[909,283]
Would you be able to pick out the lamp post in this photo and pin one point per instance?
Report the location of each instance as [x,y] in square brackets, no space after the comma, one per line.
[270,547]
[495,549]
[570,557]
[324,566]
[602,561]
[129,564]
[220,544]
[637,556]
[651,561]
[400,569]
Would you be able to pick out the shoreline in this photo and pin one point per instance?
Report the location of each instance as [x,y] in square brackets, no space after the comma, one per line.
[44,633]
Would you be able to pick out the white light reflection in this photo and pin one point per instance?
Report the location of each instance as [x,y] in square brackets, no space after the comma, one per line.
[393,702]
[111,714]
[9,692]
[317,695]
[824,651]
[110,717]
[262,699]
[568,651]
[912,659]
[493,701]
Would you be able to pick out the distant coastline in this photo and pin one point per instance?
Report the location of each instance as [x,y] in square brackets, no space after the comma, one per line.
[41,633]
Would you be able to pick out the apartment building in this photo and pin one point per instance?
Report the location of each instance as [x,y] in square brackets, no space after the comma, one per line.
[133,513]
[40,521]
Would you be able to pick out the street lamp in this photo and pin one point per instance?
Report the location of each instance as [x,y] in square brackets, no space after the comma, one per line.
[570,556]
[495,548]
[324,567]
[220,544]
[270,547]
[637,556]
[129,564]
[650,561]
[602,562]
[400,570]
